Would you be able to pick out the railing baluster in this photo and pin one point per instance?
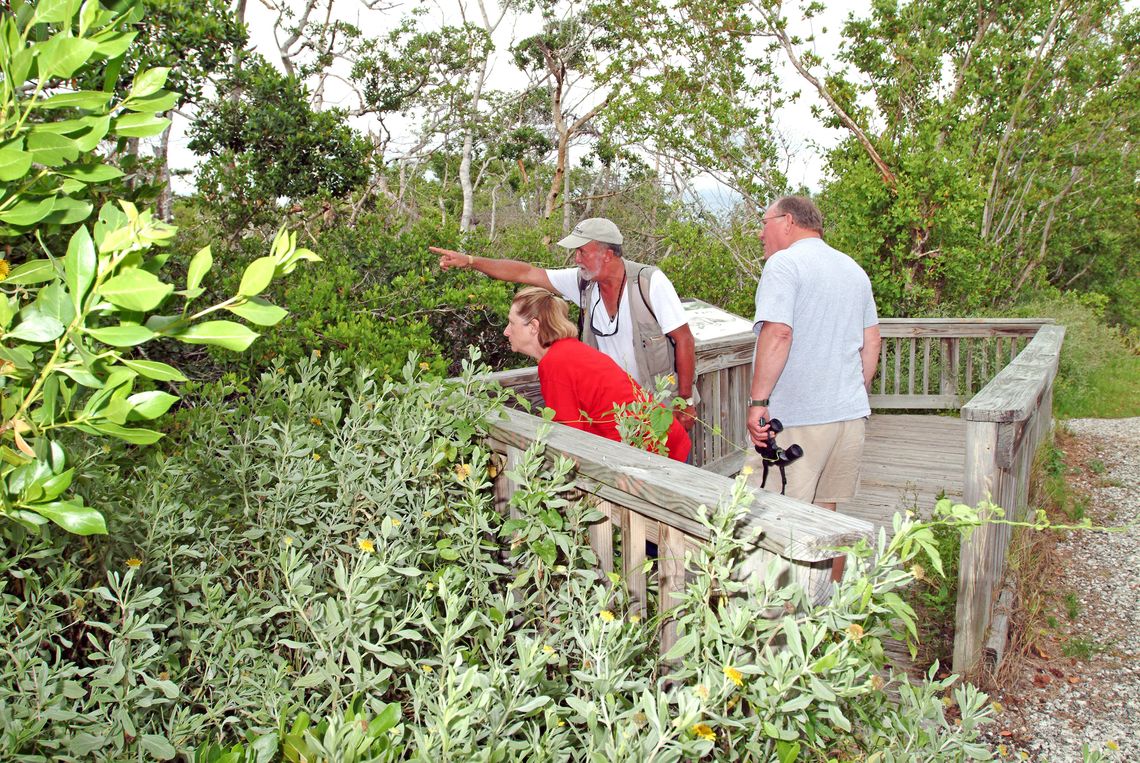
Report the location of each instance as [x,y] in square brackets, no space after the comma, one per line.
[670,578]
[633,527]
[926,365]
[913,342]
[969,366]
[602,537]
[898,365]
[883,368]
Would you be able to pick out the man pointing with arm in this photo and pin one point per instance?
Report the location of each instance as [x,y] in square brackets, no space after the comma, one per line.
[629,311]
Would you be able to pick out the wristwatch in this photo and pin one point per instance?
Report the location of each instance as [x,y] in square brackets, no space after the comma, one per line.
[754,403]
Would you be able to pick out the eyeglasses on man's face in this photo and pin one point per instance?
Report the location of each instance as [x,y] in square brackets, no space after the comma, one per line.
[765,220]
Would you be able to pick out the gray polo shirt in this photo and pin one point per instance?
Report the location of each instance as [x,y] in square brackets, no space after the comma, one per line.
[826,298]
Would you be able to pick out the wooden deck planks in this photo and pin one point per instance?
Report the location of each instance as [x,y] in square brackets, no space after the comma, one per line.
[907,461]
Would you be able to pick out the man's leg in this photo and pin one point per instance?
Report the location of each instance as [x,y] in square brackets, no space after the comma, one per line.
[840,479]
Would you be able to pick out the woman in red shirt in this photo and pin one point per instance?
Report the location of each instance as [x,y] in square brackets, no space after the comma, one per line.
[580,383]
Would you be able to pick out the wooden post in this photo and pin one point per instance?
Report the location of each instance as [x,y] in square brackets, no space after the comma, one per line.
[602,537]
[633,558]
[975,582]
[670,578]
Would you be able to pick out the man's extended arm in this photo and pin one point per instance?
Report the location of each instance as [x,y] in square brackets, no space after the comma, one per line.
[501,270]
[772,347]
[869,353]
[686,359]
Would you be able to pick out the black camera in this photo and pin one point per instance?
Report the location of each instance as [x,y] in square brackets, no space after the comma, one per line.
[774,454]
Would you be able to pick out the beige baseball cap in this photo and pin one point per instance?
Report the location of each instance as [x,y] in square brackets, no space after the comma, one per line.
[592,229]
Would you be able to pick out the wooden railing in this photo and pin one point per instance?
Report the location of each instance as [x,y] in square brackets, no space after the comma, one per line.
[1005,424]
[999,372]
[651,498]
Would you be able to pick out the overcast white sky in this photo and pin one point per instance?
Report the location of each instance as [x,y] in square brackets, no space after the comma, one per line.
[806,138]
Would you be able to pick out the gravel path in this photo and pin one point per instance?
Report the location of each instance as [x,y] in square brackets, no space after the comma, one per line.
[1065,701]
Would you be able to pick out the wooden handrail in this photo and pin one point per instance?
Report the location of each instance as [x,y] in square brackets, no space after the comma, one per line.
[670,492]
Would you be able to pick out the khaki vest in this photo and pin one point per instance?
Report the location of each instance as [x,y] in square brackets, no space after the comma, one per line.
[652,348]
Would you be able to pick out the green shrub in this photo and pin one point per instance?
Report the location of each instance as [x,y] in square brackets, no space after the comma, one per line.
[1099,371]
[327,547]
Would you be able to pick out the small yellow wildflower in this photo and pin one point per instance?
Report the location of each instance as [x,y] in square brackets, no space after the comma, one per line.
[4,269]
[1023,755]
[918,572]
[734,675]
[997,706]
[639,719]
[746,471]
[671,379]
[288,540]
[492,471]
[635,618]
[1002,751]
[366,545]
[703,731]
[463,471]
[427,668]
[947,701]
[396,522]
[315,421]
[877,683]
[1112,745]
[424,366]
[134,562]
[561,722]
[317,353]
[548,648]
[316,456]
[855,631]
[606,615]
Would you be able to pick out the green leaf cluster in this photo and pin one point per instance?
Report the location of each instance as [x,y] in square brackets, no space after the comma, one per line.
[328,546]
[49,130]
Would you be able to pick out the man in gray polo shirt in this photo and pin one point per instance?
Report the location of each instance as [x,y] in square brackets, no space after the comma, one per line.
[816,351]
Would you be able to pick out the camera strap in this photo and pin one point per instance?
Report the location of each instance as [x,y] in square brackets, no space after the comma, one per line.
[783,475]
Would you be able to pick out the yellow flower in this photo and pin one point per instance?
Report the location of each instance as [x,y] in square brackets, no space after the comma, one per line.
[639,719]
[463,471]
[561,722]
[877,683]
[855,631]
[424,366]
[492,471]
[316,456]
[734,675]
[1112,745]
[548,648]
[427,668]
[288,540]
[606,615]
[671,379]
[366,545]
[317,353]
[703,731]
[4,269]
[396,522]
[134,562]
[315,421]
[918,572]
[635,618]
[997,706]
[1002,751]
[746,471]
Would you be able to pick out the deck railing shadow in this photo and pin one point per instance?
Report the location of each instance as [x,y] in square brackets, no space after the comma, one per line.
[998,373]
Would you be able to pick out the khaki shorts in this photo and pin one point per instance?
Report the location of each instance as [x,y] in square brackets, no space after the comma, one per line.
[828,471]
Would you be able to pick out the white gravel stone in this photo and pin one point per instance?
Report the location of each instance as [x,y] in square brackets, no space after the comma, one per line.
[1104,572]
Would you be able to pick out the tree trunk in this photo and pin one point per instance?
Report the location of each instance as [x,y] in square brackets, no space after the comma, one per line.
[165,204]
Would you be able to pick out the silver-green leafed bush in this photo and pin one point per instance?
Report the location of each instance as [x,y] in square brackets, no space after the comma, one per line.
[316,570]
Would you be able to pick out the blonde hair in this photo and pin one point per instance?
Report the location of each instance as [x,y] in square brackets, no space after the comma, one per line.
[551,311]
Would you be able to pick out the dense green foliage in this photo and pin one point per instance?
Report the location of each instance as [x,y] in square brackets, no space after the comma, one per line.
[332,536]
